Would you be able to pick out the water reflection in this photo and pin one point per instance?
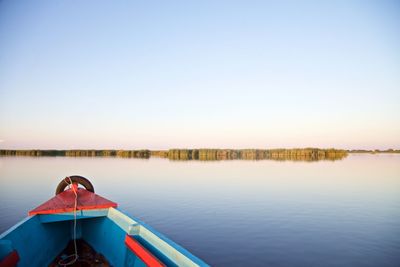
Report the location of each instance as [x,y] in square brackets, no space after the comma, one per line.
[305,154]
[238,213]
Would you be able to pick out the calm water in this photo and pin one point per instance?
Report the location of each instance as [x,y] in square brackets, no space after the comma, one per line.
[238,213]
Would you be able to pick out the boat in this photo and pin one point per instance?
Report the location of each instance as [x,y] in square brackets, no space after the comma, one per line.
[77,227]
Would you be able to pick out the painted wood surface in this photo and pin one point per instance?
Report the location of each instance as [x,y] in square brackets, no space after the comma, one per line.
[146,256]
[65,202]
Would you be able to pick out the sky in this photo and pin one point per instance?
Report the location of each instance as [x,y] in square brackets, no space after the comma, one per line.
[195,74]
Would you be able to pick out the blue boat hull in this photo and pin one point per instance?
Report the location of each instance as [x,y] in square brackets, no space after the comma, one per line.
[40,238]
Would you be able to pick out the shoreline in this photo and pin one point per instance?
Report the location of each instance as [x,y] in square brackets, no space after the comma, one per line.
[302,154]
[203,154]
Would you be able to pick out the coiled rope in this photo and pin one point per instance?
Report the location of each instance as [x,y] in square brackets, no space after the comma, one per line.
[64,262]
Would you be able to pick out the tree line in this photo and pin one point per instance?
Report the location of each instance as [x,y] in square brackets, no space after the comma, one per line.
[374,151]
[78,153]
[303,154]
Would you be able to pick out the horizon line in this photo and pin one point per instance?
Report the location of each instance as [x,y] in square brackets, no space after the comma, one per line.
[198,148]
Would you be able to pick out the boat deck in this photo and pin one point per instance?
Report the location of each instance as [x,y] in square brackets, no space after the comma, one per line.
[88,257]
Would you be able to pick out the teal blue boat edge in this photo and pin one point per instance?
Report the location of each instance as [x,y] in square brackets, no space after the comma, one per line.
[98,227]
[145,231]
[30,239]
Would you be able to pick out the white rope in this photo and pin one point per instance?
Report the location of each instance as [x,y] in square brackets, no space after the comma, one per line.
[62,262]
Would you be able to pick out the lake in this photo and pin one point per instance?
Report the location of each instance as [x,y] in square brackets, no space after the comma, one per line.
[237,213]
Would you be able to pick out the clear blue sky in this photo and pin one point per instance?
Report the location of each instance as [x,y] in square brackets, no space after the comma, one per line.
[163,74]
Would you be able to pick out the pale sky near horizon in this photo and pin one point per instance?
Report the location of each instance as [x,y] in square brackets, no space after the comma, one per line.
[226,74]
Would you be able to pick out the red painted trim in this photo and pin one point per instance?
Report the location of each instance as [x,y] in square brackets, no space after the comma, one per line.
[65,202]
[149,259]
[63,210]
[75,187]
[10,260]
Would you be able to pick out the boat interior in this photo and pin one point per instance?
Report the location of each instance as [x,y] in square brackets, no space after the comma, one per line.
[105,237]
[80,228]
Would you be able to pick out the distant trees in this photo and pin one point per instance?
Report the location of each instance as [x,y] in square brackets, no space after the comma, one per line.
[78,153]
[302,154]
[32,153]
[306,154]
[374,151]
